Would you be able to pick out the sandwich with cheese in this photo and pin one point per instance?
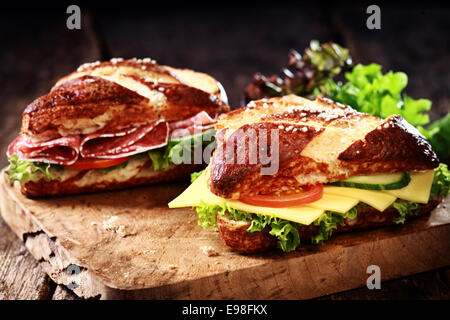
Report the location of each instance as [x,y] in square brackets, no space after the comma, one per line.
[288,170]
[114,124]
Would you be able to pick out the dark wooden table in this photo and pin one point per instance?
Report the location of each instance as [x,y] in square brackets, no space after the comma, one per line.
[231,44]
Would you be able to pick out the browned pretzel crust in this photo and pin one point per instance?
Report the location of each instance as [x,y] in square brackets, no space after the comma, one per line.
[320,142]
[395,145]
[108,96]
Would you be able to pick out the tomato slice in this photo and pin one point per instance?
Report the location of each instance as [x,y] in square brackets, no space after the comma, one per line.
[93,163]
[308,195]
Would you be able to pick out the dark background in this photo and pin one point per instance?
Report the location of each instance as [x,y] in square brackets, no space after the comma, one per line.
[229,41]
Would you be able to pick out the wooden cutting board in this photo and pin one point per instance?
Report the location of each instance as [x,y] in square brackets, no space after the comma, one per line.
[128,244]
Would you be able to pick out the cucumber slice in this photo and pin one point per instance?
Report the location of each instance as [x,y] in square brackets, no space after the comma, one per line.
[377,181]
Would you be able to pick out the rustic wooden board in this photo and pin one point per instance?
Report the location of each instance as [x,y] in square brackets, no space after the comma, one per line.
[128,244]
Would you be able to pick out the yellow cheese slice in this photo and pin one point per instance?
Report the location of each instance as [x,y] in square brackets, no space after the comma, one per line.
[377,199]
[418,189]
[334,203]
[199,191]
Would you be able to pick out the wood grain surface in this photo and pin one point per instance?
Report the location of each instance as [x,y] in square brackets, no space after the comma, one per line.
[140,249]
[231,44]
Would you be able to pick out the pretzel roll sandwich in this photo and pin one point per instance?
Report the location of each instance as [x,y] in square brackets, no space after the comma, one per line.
[288,170]
[111,125]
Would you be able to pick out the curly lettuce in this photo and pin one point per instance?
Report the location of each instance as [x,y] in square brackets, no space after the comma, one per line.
[24,170]
[285,231]
[441,182]
[405,208]
[328,222]
[369,90]
[438,133]
[176,150]
[195,175]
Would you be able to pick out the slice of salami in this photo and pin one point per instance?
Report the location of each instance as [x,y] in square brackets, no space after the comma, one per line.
[63,151]
[189,131]
[200,119]
[157,138]
[66,150]
[116,145]
[196,124]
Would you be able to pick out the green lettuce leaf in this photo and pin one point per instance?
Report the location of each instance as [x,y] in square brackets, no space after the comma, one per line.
[369,90]
[195,175]
[329,221]
[24,170]
[441,182]
[285,231]
[160,159]
[404,209]
[177,150]
[438,133]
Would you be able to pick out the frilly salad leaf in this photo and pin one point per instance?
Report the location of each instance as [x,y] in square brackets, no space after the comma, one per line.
[163,157]
[404,209]
[441,182]
[438,133]
[285,231]
[24,171]
[369,90]
[329,221]
[195,175]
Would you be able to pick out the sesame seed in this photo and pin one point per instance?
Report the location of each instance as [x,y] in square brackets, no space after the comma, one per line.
[115,60]
[148,60]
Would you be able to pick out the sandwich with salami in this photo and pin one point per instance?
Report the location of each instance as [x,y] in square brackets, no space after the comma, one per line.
[114,124]
[289,170]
